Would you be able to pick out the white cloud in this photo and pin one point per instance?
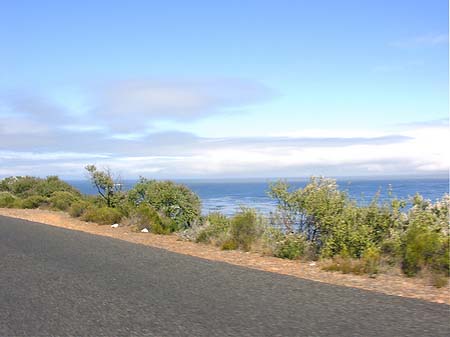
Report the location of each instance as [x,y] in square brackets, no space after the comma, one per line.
[136,104]
[30,156]
[80,128]
[411,150]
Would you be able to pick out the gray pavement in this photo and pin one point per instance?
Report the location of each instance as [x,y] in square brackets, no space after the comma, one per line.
[57,282]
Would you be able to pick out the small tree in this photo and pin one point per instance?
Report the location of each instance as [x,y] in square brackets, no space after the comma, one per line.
[107,186]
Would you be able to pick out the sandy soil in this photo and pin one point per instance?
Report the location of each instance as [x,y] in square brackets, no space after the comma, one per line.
[387,284]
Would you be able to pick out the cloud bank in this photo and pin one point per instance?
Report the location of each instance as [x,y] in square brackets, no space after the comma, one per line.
[39,137]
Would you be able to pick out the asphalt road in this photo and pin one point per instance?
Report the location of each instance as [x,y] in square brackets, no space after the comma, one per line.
[57,282]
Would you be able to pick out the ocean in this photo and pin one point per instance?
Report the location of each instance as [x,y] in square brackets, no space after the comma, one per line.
[227,196]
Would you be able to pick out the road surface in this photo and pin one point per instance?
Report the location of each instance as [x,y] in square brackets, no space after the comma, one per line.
[57,282]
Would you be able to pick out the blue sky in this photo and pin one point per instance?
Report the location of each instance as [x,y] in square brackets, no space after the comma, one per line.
[185,89]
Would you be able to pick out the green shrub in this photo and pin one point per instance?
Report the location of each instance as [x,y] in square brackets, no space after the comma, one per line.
[120,202]
[368,264]
[77,208]
[34,201]
[292,247]
[20,186]
[244,228]
[174,201]
[102,215]
[390,247]
[341,264]
[371,260]
[24,187]
[270,238]
[144,216]
[217,225]
[440,262]
[229,245]
[439,280]
[330,221]
[421,244]
[311,210]
[7,200]
[62,200]
[53,184]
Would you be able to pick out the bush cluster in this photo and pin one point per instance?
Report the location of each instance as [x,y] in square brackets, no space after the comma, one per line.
[240,231]
[161,206]
[244,228]
[145,216]
[215,229]
[23,187]
[62,200]
[291,246]
[8,200]
[32,192]
[358,238]
[78,208]
[102,215]
[369,263]
[173,201]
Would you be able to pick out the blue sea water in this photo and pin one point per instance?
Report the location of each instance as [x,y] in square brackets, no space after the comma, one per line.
[228,196]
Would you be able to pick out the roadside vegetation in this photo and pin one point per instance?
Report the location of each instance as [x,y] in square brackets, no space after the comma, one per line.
[316,223]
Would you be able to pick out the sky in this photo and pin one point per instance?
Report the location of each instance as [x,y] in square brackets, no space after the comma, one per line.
[224,89]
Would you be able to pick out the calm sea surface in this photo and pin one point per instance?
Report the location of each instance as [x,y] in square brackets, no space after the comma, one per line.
[228,196]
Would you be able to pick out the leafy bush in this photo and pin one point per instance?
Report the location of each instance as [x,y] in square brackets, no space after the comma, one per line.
[439,280]
[175,201]
[62,200]
[217,225]
[440,262]
[24,187]
[368,264]
[343,264]
[330,221]
[270,238]
[77,208]
[357,229]
[312,210]
[424,244]
[390,246]
[144,216]
[102,215]
[292,247]
[34,201]
[356,236]
[420,245]
[229,244]
[371,260]
[245,228]
[7,200]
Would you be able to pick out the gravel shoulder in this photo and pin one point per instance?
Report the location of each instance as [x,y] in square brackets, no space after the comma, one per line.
[387,284]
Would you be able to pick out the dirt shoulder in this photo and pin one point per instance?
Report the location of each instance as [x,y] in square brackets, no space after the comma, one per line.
[387,284]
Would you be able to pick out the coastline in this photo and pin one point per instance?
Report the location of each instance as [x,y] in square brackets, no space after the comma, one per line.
[388,284]
[227,195]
